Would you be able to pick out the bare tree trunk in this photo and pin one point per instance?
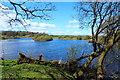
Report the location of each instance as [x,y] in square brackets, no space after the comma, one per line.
[100,74]
[95,47]
[85,65]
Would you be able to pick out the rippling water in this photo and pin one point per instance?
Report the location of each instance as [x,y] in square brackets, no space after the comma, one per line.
[51,50]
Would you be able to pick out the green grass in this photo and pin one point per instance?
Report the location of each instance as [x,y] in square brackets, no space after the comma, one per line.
[39,37]
[55,37]
[10,69]
[71,37]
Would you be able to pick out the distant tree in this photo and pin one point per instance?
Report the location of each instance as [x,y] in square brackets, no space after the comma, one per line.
[18,33]
[79,38]
[9,33]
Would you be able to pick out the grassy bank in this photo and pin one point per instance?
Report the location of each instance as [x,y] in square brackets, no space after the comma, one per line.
[25,71]
[71,37]
[40,36]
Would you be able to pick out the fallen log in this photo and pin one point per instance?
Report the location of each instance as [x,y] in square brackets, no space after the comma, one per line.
[23,59]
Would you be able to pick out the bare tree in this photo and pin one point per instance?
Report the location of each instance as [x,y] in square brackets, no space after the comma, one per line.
[104,20]
[23,11]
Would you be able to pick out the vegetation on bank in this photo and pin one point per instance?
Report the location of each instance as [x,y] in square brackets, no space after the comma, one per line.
[71,37]
[42,37]
[12,70]
[45,37]
[25,68]
[25,71]
[16,34]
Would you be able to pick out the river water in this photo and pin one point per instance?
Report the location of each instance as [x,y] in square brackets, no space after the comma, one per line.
[51,50]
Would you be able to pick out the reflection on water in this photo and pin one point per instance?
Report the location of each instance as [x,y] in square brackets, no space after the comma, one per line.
[51,50]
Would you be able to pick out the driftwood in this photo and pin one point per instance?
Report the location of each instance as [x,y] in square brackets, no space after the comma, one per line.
[23,59]
[1,58]
[40,57]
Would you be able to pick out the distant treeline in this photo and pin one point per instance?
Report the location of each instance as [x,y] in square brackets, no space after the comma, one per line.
[17,33]
[40,36]
[72,37]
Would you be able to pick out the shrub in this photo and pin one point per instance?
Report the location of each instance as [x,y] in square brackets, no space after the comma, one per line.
[40,34]
[43,38]
[79,38]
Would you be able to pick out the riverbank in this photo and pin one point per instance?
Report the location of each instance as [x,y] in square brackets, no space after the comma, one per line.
[40,36]
[5,38]
[30,71]
[25,71]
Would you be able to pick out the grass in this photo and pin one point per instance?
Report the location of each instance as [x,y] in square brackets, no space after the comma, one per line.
[42,37]
[71,37]
[55,37]
[10,69]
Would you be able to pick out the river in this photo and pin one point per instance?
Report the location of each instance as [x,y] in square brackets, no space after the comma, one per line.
[51,50]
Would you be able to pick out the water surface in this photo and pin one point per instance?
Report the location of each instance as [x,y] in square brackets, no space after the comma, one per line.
[51,50]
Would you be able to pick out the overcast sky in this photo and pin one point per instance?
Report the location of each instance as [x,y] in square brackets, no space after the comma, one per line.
[62,22]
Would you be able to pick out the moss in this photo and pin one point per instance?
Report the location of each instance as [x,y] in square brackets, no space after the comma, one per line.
[10,69]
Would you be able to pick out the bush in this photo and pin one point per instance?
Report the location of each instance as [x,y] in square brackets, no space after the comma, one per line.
[87,37]
[43,38]
[79,38]
[40,34]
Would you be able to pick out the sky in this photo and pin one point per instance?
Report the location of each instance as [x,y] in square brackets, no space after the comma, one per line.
[64,0]
[63,21]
